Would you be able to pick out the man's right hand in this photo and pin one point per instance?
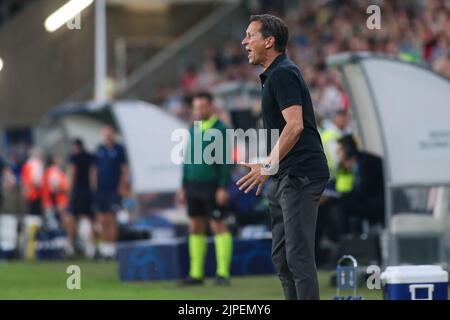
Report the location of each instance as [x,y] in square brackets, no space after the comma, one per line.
[181,197]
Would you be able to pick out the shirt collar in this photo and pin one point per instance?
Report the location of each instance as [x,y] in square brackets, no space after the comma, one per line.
[208,124]
[263,76]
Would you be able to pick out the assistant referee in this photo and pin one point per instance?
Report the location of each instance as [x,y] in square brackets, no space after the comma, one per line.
[297,162]
[205,191]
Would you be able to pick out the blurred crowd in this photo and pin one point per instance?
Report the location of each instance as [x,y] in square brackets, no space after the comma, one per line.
[416,31]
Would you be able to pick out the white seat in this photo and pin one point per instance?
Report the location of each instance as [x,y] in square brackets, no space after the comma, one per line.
[409,225]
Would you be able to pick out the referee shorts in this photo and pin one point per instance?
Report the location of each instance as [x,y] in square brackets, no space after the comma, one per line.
[201,201]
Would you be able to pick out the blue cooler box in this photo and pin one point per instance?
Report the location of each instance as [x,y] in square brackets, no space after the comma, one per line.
[415,283]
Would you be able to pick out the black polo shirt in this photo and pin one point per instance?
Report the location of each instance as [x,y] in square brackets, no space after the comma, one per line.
[282,87]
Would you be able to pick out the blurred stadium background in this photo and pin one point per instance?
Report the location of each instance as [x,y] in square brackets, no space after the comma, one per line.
[138,69]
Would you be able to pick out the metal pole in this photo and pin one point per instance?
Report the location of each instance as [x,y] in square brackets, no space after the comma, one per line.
[120,50]
[100,51]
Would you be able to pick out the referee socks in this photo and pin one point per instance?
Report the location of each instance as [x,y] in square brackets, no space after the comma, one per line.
[197,253]
[224,250]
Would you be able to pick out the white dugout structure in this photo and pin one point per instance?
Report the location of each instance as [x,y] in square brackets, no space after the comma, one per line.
[402,114]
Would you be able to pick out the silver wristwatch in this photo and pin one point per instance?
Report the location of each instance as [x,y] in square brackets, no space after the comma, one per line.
[267,166]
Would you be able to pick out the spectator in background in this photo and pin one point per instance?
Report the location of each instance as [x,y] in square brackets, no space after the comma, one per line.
[80,209]
[232,55]
[360,186]
[356,194]
[32,174]
[329,97]
[365,200]
[330,135]
[109,177]
[189,80]
[208,76]
[17,163]
[211,54]
[55,190]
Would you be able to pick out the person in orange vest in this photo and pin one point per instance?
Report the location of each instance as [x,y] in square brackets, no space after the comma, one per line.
[32,173]
[55,189]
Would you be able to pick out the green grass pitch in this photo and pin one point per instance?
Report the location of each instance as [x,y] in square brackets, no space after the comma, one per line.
[99,280]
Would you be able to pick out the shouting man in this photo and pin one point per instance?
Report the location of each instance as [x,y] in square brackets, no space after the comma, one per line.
[297,162]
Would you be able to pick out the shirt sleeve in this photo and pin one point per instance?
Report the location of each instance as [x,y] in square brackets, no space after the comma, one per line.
[287,88]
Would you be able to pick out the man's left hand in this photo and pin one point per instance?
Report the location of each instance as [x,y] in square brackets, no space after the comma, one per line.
[252,179]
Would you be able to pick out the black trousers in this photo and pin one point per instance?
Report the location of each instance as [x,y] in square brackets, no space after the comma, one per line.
[293,204]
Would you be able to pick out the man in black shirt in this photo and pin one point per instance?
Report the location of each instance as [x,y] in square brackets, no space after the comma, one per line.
[81,164]
[297,161]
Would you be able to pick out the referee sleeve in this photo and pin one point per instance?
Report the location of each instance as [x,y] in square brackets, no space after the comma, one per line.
[287,88]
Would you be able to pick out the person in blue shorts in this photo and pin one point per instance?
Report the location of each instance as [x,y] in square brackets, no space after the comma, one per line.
[110,176]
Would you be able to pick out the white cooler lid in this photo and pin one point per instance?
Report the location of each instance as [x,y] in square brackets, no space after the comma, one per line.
[414,274]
